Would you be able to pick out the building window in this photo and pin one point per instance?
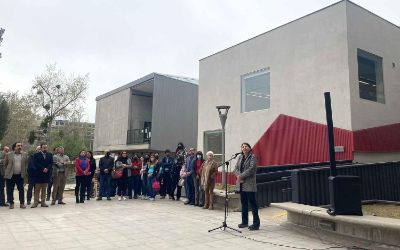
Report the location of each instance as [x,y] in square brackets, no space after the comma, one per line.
[256,91]
[213,142]
[370,76]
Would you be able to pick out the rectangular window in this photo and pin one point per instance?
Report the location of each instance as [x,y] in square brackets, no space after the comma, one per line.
[370,76]
[213,142]
[256,91]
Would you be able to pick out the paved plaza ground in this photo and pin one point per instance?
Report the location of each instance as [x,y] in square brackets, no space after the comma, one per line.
[142,224]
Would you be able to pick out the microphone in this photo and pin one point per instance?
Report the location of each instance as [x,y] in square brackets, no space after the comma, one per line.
[235,155]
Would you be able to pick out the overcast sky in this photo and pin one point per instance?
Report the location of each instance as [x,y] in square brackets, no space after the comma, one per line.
[118,41]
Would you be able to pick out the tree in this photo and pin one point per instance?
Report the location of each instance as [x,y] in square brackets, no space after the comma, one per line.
[58,95]
[22,118]
[1,36]
[72,138]
[4,116]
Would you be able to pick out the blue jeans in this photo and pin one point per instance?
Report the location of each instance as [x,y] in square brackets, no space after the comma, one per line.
[245,199]
[190,189]
[105,183]
[150,189]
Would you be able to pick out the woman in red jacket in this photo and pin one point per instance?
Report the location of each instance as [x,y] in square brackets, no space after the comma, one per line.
[82,169]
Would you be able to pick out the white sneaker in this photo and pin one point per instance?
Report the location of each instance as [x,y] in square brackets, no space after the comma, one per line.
[119,198]
[124,198]
[146,198]
[152,199]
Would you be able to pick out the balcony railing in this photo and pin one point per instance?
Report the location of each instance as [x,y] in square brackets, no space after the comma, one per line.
[139,136]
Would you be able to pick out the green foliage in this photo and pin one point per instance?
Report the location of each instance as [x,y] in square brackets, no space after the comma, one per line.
[71,138]
[32,137]
[4,116]
[22,118]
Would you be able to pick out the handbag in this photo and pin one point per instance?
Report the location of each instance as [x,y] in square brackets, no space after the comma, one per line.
[156,185]
[116,174]
[181,182]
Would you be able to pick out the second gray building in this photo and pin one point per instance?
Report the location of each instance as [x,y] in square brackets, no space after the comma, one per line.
[152,113]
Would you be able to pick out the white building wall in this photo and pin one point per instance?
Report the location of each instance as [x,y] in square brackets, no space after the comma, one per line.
[375,35]
[306,58]
[111,121]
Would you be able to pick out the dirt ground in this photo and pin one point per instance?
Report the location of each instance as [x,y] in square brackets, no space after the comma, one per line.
[382,210]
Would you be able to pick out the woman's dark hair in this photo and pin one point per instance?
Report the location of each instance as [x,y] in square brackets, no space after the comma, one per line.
[135,158]
[247,144]
[91,155]
[200,153]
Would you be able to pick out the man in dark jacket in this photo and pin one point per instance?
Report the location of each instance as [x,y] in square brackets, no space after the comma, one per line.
[31,176]
[106,165]
[166,166]
[43,162]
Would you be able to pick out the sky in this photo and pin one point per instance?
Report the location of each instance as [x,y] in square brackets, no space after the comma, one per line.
[119,41]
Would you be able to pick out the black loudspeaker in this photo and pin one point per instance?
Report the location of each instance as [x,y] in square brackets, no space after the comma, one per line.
[345,195]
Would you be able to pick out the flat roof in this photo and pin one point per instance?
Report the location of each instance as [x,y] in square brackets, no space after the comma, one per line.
[145,79]
[300,19]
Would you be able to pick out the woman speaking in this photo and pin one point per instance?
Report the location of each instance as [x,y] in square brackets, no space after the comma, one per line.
[245,171]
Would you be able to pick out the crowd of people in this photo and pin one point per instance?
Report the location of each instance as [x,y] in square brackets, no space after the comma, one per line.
[127,177]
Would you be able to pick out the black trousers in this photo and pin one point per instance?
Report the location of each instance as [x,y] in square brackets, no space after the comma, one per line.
[49,186]
[166,184]
[245,199]
[31,186]
[80,188]
[122,186]
[2,185]
[88,186]
[136,185]
[177,187]
[16,179]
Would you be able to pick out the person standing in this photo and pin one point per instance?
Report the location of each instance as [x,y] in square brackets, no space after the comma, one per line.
[31,176]
[106,166]
[198,161]
[82,170]
[59,176]
[189,171]
[175,174]
[135,178]
[152,177]
[144,175]
[166,166]
[43,162]
[3,154]
[16,163]
[208,172]
[123,164]
[89,178]
[50,185]
[245,171]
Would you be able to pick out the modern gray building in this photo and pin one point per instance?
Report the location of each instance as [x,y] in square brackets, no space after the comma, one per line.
[152,113]
[275,82]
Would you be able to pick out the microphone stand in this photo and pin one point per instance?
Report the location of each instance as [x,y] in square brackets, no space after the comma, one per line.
[224,225]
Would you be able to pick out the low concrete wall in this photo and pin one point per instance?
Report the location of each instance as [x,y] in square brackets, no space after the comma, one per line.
[379,230]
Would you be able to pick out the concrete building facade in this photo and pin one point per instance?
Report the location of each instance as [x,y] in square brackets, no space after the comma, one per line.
[286,71]
[152,113]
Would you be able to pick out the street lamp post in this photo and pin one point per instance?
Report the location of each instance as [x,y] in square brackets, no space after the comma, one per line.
[223,115]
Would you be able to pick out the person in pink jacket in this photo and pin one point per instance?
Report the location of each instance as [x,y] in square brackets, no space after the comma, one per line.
[82,169]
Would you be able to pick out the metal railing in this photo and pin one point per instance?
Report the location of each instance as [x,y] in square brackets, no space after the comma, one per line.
[379,181]
[138,136]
